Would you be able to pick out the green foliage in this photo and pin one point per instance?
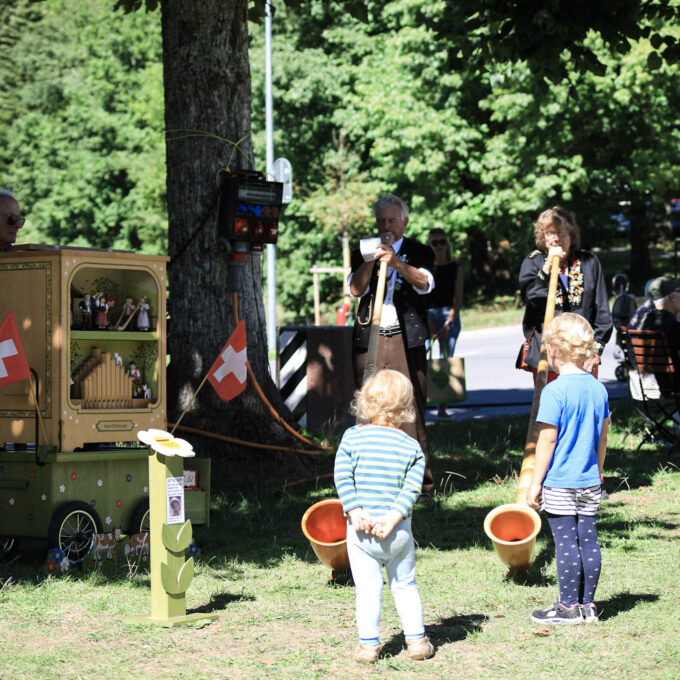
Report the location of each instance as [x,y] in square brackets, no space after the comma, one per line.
[479,114]
[552,38]
[468,129]
[84,146]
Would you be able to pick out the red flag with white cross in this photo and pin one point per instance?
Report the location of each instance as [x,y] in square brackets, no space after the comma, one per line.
[229,373]
[13,364]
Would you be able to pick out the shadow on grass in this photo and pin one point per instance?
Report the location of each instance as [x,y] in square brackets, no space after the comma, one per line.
[453,629]
[219,602]
[623,602]
[254,521]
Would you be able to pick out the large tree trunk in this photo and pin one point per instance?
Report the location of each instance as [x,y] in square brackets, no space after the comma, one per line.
[640,231]
[207,113]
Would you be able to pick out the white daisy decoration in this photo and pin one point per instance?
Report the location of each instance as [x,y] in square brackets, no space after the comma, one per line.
[107,521]
[100,482]
[11,501]
[163,442]
[43,497]
[62,488]
[146,489]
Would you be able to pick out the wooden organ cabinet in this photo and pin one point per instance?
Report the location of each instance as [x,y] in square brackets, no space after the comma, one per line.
[100,365]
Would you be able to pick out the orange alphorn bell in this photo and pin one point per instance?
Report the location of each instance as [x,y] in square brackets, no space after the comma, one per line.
[513,528]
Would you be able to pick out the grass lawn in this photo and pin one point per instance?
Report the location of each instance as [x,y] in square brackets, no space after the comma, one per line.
[280,618]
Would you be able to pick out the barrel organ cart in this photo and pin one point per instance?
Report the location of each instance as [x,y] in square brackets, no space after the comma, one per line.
[93,328]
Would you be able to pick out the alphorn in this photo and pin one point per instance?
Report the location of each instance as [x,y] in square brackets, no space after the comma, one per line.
[513,528]
[374,336]
[324,524]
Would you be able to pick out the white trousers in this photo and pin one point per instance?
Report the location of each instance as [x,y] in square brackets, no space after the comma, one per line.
[367,554]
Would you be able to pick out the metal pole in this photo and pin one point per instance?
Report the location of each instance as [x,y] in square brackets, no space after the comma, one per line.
[269,132]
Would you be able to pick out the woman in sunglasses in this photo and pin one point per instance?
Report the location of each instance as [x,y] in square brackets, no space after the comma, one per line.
[445,301]
[10,220]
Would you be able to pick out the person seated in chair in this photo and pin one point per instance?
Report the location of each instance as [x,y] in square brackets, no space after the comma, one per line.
[662,316]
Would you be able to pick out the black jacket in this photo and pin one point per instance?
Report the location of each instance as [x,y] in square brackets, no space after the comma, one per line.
[409,304]
[594,305]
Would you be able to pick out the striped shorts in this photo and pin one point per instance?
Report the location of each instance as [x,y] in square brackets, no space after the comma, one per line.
[571,501]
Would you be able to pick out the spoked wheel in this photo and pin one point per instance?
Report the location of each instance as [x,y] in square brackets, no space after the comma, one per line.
[8,546]
[72,530]
[140,519]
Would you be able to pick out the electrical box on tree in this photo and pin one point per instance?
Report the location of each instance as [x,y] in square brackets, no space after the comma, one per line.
[249,211]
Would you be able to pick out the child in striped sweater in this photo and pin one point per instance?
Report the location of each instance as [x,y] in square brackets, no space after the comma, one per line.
[378,474]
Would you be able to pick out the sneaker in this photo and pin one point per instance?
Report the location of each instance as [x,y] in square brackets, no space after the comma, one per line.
[589,612]
[367,653]
[558,613]
[420,649]
[441,412]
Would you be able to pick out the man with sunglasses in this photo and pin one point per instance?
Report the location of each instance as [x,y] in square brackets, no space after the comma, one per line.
[10,220]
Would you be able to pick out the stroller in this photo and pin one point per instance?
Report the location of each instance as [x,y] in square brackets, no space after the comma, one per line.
[623,308]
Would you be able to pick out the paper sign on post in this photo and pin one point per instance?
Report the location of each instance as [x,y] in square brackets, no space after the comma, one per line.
[174,487]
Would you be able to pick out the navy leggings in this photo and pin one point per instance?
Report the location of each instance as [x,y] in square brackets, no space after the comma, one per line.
[578,557]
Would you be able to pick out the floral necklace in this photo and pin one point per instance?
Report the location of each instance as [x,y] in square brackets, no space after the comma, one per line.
[575,290]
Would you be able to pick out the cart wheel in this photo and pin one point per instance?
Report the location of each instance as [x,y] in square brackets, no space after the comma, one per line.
[8,546]
[72,530]
[139,521]
[621,373]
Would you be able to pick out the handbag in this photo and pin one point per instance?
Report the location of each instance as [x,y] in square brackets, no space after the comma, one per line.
[445,379]
[521,362]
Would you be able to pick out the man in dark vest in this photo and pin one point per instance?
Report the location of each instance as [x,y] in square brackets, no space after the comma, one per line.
[403,322]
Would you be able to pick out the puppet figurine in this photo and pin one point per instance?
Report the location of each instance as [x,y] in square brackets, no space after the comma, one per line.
[126,314]
[143,323]
[101,321]
[111,303]
[85,307]
[133,373]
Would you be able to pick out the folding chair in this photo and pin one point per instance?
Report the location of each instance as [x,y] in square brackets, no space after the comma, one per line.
[652,383]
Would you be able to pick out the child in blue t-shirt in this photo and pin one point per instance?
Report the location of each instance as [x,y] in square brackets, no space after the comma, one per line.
[574,418]
[378,474]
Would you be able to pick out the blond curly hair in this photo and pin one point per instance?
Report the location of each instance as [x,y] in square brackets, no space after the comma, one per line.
[386,398]
[571,339]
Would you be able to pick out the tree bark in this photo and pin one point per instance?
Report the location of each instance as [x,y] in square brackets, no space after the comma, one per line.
[207,116]
[640,230]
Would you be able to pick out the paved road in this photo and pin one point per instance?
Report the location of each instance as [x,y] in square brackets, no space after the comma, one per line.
[495,386]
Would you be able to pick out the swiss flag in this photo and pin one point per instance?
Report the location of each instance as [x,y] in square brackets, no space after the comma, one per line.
[228,374]
[13,364]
